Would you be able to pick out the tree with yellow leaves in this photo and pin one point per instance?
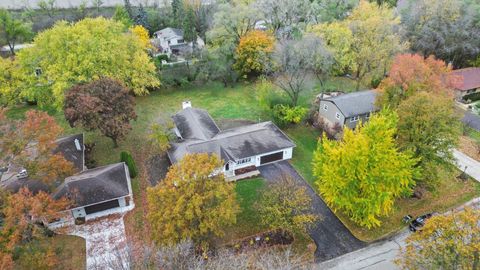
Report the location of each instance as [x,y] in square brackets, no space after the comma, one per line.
[142,34]
[74,53]
[253,52]
[193,202]
[284,205]
[365,42]
[364,173]
[450,241]
[10,81]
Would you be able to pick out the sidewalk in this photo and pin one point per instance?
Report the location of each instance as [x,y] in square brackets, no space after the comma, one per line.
[473,166]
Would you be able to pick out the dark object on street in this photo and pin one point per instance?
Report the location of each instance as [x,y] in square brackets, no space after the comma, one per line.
[463,176]
[407,218]
[419,222]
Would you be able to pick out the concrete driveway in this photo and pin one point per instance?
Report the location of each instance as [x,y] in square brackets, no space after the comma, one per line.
[330,235]
[106,242]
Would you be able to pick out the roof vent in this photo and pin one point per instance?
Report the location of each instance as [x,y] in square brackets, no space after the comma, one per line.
[77,145]
[186,104]
[22,174]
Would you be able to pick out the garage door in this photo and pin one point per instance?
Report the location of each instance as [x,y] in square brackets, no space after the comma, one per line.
[271,158]
[101,207]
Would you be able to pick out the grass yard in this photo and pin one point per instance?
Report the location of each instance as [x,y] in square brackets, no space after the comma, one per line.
[70,250]
[450,194]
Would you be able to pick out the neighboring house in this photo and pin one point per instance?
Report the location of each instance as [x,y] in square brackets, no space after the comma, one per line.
[469,81]
[347,109]
[241,149]
[71,147]
[94,192]
[171,41]
[97,192]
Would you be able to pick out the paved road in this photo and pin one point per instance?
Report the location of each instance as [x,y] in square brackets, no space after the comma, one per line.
[330,235]
[471,120]
[473,166]
[378,256]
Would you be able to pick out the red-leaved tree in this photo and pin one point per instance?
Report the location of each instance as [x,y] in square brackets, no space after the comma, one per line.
[105,105]
[412,73]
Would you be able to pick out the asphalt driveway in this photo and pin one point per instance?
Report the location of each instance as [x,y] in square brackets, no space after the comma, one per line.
[471,120]
[329,234]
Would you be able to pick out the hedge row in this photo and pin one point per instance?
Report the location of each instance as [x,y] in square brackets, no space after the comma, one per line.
[128,159]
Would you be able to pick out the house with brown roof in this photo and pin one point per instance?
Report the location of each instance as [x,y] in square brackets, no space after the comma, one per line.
[469,81]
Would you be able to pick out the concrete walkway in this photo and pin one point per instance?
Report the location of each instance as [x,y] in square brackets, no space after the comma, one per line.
[473,166]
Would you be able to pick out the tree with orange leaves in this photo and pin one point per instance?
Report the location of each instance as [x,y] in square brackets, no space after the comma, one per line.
[30,144]
[412,73]
[25,217]
[253,52]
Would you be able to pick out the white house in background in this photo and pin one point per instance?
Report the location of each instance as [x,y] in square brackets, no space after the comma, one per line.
[242,149]
[171,41]
[5,50]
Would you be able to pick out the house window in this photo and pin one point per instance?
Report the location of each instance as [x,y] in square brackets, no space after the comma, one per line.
[244,160]
[38,72]
[325,107]
[227,166]
[337,115]
[354,119]
[180,41]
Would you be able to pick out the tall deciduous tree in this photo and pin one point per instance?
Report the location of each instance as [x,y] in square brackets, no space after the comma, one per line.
[429,127]
[448,29]
[11,79]
[232,21]
[294,60]
[364,173]
[121,15]
[365,42]
[30,144]
[450,241]
[142,35]
[24,219]
[69,54]
[331,10]
[411,73]
[193,202]
[253,53]
[284,205]
[104,104]
[13,31]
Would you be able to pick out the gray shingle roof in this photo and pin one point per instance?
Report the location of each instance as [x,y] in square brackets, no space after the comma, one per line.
[170,32]
[195,124]
[95,185]
[235,143]
[65,146]
[356,103]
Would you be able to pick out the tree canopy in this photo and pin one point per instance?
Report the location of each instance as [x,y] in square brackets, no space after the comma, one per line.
[365,42]
[193,202]
[13,31]
[429,127]
[364,173]
[284,205]
[73,53]
[450,241]
[411,73]
[448,29]
[104,104]
[253,53]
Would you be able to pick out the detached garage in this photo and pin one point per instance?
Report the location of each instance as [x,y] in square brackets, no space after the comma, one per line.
[98,192]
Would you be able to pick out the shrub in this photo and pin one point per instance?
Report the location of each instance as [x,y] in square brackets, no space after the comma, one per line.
[284,114]
[128,159]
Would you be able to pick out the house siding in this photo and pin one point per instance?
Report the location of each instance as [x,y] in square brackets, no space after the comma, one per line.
[330,114]
[352,125]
